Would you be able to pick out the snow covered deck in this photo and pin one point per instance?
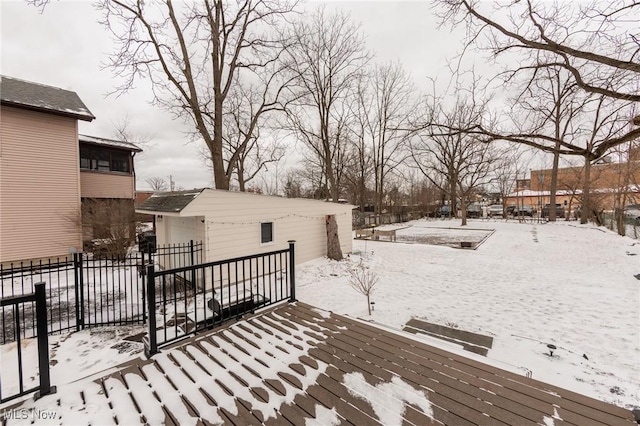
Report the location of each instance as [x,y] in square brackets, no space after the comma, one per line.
[295,364]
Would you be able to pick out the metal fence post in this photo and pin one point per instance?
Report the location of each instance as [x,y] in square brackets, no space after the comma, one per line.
[193,270]
[80,273]
[43,342]
[292,271]
[76,285]
[152,347]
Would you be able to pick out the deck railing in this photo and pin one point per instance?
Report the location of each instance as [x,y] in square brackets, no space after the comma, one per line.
[183,301]
[44,383]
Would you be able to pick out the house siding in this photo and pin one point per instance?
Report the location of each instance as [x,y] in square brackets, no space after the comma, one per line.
[233,224]
[106,185]
[39,185]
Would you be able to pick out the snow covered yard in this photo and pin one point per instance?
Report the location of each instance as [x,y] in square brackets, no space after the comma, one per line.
[528,285]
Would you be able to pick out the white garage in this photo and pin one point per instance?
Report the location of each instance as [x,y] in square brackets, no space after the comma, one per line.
[234,224]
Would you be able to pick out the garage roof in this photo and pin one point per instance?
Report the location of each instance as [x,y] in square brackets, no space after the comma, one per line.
[169,202]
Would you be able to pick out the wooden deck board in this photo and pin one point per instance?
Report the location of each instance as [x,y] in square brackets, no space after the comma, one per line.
[465,385]
[231,373]
[580,404]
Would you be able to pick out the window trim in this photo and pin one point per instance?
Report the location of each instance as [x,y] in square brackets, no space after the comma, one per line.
[273,233]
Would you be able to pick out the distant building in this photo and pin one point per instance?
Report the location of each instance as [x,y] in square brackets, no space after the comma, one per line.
[608,182]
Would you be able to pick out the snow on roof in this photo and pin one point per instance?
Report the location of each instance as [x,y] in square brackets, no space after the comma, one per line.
[109,142]
[40,97]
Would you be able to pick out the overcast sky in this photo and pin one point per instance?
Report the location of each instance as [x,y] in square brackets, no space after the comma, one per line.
[65,47]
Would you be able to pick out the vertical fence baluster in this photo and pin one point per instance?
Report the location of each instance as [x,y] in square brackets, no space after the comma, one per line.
[18,345]
[263,272]
[81,277]
[76,286]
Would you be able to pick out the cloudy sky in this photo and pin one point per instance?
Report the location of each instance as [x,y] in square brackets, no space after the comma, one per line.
[66,46]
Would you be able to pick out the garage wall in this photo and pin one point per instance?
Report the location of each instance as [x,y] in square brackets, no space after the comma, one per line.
[233,224]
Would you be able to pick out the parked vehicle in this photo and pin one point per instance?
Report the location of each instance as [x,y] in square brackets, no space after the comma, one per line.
[510,210]
[495,210]
[444,211]
[559,210]
[474,210]
[524,210]
[632,211]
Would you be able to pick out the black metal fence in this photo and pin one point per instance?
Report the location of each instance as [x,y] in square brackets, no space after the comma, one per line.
[18,364]
[83,291]
[183,301]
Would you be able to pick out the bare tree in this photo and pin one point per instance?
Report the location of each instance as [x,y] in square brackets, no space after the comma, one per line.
[123,130]
[456,162]
[363,280]
[326,58]
[553,102]
[604,124]
[110,224]
[508,166]
[542,35]
[292,184]
[626,179]
[382,109]
[193,54]
[358,175]
[157,183]
[247,152]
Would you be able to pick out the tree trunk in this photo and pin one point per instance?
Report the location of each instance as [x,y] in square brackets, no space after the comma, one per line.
[463,210]
[554,184]
[453,211]
[585,210]
[220,179]
[333,240]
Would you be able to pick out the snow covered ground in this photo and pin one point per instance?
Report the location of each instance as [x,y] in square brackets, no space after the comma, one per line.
[527,285]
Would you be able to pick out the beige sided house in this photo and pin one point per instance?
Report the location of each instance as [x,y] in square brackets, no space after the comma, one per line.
[107,181]
[48,172]
[235,224]
[39,175]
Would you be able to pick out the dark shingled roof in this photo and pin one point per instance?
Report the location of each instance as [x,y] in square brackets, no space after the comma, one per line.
[38,97]
[169,202]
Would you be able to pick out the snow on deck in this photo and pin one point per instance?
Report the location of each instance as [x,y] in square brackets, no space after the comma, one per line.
[291,364]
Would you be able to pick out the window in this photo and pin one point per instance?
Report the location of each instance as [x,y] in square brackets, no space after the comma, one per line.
[120,162]
[105,159]
[266,232]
